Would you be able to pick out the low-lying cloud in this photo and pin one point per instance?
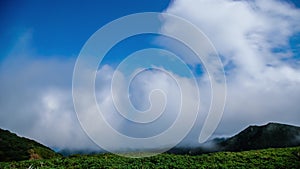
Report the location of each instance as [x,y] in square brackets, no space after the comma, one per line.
[252,38]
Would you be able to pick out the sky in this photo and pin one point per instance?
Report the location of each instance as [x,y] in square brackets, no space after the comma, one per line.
[258,43]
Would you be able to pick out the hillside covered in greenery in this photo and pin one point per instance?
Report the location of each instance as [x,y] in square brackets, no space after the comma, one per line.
[267,158]
[271,135]
[15,148]
[20,152]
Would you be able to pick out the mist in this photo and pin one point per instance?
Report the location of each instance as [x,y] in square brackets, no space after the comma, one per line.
[262,74]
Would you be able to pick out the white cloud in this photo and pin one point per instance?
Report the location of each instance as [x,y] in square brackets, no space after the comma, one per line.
[261,85]
[36,101]
[139,92]
[36,98]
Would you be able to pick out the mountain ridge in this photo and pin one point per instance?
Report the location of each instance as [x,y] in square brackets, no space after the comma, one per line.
[16,148]
[271,135]
[253,137]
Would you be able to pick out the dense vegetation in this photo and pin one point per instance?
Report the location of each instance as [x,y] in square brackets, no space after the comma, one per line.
[35,155]
[272,135]
[13,147]
[267,158]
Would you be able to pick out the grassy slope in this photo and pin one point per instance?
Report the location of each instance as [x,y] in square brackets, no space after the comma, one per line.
[267,158]
[13,147]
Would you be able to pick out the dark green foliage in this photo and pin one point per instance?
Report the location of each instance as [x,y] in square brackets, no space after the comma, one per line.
[272,135]
[267,158]
[13,147]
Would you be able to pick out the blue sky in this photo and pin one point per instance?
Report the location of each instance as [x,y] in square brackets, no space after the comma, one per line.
[258,41]
[61,28]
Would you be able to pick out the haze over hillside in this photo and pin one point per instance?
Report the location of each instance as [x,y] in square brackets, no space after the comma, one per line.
[16,148]
[271,135]
[257,42]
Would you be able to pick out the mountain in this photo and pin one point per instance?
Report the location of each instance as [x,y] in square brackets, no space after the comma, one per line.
[15,148]
[271,135]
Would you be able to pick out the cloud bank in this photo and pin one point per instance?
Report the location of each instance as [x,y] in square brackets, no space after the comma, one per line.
[252,38]
[36,97]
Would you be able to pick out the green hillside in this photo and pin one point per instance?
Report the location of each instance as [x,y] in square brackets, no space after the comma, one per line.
[267,158]
[15,148]
[271,135]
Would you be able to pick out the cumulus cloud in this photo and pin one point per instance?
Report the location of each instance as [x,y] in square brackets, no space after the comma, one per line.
[36,101]
[252,38]
[141,97]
